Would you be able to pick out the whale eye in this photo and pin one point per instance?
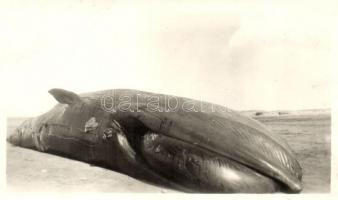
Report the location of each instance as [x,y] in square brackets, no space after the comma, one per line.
[107,133]
[114,127]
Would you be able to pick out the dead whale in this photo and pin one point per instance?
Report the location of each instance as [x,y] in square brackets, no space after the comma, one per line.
[176,142]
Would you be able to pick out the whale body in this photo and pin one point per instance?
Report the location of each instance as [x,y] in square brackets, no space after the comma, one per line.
[175,142]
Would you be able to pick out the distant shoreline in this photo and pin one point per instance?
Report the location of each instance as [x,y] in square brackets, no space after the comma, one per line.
[286,113]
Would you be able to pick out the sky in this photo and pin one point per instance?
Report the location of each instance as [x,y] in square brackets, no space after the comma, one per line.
[241,54]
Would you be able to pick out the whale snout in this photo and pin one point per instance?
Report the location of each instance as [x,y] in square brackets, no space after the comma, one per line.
[235,153]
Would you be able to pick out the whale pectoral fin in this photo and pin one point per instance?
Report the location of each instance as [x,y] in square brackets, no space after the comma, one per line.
[64,96]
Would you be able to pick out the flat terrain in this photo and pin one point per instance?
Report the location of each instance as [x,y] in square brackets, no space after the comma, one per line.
[308,134]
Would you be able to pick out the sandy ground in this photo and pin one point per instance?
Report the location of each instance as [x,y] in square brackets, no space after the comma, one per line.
[308,135]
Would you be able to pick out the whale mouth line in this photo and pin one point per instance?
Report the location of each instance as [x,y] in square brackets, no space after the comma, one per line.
[196,145]
[155,151]
[200,147]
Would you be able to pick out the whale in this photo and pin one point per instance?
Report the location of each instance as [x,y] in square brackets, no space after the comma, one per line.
[174,142]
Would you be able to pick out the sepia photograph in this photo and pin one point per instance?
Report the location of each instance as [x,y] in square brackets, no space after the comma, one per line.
[203,97]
